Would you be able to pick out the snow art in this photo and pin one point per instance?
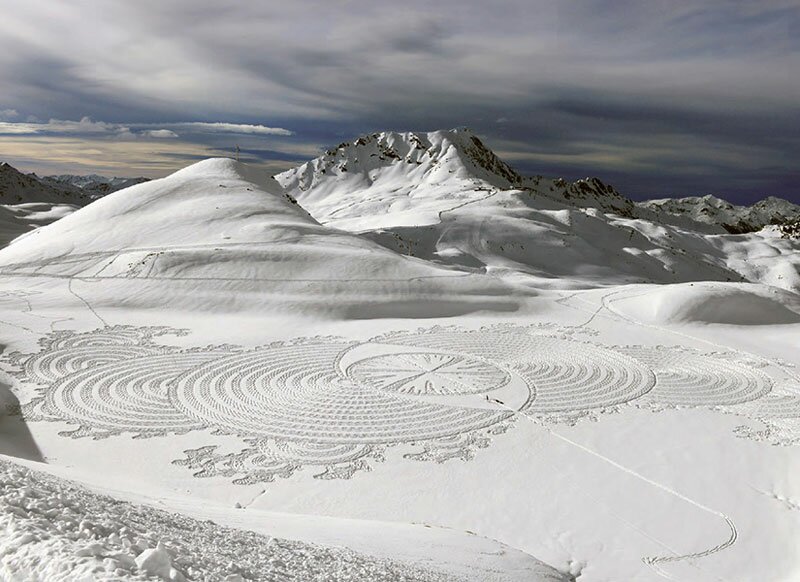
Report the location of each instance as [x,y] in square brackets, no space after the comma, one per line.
[336,405]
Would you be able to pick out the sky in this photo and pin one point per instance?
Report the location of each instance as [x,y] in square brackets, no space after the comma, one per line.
[657,97]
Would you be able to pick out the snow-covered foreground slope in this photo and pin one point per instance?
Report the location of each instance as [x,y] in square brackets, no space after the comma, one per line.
[56,530]
[394,414]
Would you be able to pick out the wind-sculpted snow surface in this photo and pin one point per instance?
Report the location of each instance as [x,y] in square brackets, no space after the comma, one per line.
[55,531]
[336,405]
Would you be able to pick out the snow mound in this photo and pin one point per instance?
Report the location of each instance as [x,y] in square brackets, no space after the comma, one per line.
[725,303]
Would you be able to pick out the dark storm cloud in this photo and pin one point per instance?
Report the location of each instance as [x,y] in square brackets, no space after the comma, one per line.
[662,98]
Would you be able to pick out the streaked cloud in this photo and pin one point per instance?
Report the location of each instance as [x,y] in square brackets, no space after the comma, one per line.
[229,128]
[86,126]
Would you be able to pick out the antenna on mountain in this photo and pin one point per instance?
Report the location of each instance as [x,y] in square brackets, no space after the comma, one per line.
[237,152]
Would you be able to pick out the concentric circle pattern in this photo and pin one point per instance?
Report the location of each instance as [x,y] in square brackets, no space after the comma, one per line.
[336,404]
[47,367]
[690,378]
[295,393]
[127,396]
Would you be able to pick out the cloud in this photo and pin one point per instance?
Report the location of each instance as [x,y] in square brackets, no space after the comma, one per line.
[204,127]
[8,114]
[86,126]
[159,133]
[59,126]
[48,155]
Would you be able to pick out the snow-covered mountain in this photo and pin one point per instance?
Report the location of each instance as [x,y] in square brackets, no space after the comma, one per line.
[19,188]
[444,197]
[219,226]
[397,178]
[732,218]
[28,201]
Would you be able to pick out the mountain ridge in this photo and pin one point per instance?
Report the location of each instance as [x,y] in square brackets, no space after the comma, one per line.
[389,173]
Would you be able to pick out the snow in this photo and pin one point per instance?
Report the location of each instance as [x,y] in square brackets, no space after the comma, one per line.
[422,371]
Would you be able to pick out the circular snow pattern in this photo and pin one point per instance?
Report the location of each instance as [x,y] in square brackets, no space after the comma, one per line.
[295,393]
[428,373]
[131,395]
[47,367]
[565,374]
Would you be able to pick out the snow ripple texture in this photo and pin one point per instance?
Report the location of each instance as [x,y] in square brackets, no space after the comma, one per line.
[336,405]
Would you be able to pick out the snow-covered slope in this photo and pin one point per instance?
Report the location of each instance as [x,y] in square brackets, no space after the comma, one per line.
[28,202]
[728,217]
[55,530]
[220,226]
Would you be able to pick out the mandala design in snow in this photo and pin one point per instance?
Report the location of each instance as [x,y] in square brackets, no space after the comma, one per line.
[429,373]
[336,406]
